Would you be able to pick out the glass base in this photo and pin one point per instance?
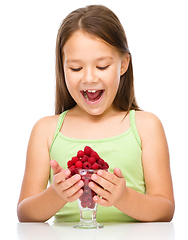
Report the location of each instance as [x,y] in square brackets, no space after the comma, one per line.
[84,224]
[88,219]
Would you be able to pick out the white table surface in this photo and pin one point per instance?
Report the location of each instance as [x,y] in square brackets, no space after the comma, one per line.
[111,231]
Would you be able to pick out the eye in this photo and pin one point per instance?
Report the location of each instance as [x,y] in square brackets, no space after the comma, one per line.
[76,69]
[103,68]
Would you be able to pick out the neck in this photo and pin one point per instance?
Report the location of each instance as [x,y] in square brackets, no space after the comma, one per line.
[111,111]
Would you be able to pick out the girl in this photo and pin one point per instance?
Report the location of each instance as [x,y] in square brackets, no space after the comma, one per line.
[96,106]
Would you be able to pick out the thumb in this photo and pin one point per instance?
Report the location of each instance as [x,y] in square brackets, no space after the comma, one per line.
[118,172]
[55,166]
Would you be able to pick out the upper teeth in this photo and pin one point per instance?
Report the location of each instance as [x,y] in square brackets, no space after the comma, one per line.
[92,91]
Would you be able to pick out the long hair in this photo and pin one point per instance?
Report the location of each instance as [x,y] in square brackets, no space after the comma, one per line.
[102,23]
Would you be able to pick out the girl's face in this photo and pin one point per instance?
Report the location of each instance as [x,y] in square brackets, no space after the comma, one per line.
[92,72]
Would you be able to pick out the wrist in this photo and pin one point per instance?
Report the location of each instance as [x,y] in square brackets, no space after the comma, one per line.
[57,196]
[122,202]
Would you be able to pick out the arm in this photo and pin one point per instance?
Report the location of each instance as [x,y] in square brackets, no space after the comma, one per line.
[37,202]
[158,203]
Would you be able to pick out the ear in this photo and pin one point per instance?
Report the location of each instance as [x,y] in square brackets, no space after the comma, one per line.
[124,63]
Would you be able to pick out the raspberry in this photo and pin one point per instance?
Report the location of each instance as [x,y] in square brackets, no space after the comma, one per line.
[86,182]
[86,189]
[95,166]
[72,169]
[87,165]
[87,150]
[100,161]
[86,179]
[95,155]
[87,201]
[69,163]
[105,166]
[85,197]
[91,203]
[84,204]
[78,164]
[80,154]
[84,158]
[91,160]
[87,159]
[74,160]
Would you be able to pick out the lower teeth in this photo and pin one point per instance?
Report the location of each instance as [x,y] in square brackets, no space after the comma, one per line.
[85,95]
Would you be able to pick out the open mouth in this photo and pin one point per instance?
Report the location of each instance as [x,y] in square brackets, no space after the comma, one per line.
[92,95]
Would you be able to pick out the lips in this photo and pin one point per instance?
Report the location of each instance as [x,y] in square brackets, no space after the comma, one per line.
[92,95]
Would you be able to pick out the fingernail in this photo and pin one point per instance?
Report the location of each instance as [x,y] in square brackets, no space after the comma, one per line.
[91,184]
[95,198]
[80,183]
[94,177]
[80,191]
[76,177]
[99,172]
[67,172]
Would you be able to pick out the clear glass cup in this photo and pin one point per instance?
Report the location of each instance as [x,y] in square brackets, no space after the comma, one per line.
[87,207]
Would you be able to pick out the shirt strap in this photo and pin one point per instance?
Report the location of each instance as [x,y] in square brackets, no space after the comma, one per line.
[134,128]
[58,128]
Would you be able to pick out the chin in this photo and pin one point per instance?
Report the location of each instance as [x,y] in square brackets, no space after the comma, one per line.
[95,112]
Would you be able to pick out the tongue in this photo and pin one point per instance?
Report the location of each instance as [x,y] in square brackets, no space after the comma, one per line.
[95,95]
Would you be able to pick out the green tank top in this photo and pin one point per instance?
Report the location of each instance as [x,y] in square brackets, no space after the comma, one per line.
[122,151]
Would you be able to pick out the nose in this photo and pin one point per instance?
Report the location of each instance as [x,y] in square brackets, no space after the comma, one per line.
[89,76]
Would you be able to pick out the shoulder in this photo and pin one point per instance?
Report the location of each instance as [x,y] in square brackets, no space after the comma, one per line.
[145,118]
[49,121]
[148,125]
[44,128]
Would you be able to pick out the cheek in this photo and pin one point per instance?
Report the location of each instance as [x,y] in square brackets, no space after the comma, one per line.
[69,80]
[114,78]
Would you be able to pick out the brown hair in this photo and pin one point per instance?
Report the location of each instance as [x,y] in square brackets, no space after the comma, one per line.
[102,23]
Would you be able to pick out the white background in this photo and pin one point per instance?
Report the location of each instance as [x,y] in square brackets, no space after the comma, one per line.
[157,36]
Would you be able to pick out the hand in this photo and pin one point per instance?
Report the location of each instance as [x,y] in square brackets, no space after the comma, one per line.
[112,187]
[69,189]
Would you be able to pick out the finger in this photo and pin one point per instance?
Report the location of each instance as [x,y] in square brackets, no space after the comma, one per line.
[55,167]
[75,188]
[101,183]
[101,201]
[118,173]
[75,196]
[104,193]
[71,181]
[61,176]
[103,175]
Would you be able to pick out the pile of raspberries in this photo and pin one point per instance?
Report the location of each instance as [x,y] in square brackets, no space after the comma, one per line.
[87,159]
[83,161]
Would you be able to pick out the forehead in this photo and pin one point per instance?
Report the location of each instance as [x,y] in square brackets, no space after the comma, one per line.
[83,45]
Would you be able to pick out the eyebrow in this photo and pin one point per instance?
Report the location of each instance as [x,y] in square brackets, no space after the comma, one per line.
[98,59]
[104,58]
[73,60]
